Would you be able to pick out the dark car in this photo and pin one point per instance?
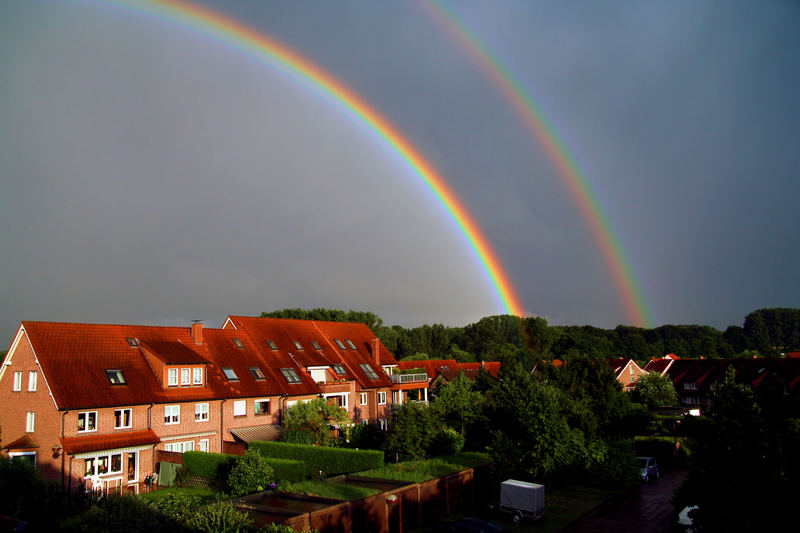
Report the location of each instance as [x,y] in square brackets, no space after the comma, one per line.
[469,525]
[648,468]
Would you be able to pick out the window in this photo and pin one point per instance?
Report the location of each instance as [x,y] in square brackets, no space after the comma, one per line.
[203,445]
[87,421]
[257,373]
[339,369]
[115,377]
[630,367]
[230,374]
[188,446]
[172,377]
[180,447]
[350,344]
[32,379]
[238,342]
[364,398]
[364,421]
[382,422]
[17,381]
[116,464]
[369,371]
[319,375]
[290,375]
[30,422]
[340,344]
[240,408]
[316,345]
[200,412]
[382,398]
[261,407]
[29,457]
[132,342]
[172,414]
[101,465]
[198,376]
[186,376]
[122,418]
[297,345]
[272,345]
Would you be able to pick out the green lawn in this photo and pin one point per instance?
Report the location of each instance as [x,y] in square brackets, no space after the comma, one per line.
[326,489]
[413,471]
[206,495]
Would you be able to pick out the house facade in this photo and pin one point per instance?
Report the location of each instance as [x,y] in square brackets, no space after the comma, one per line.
[626,371]
[93,404]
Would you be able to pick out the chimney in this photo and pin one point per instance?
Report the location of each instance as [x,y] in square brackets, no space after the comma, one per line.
[197,331]
[376,350]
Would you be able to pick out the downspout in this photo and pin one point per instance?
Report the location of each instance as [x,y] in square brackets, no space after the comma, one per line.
[221,420]
[149,416]
[63,416]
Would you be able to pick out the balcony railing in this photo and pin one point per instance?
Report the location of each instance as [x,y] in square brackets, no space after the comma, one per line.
[409,378]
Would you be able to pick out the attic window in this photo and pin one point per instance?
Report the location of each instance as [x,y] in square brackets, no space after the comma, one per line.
[132,342]
[298,345]
[115,377]
[230,374]
[350,344]
[340,344]
[290,375]
[369,371]
[339,369]
[238,342]
[316,345]
[272,345]
[257,373]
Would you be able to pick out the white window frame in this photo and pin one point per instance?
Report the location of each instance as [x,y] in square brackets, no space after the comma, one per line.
[86,416]
[23,454]
[197,376]
[383,423]
[130,418]
[30,422]
[262,400]
[382,398]
[240,408]
[204,445]
[345,399]
[172,415]
[33,379]
[172,377]
[364,398]
[201,411]
[186,376]
[17,381]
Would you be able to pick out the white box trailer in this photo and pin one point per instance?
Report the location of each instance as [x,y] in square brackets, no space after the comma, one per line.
[521,498]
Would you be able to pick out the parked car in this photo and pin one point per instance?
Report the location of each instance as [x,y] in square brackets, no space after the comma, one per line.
[649,468]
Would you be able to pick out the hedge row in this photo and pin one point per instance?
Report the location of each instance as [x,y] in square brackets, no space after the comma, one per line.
[287,469]
[331,461]
[218,466]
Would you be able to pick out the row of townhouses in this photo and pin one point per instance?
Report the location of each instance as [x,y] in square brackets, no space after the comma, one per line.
[98,402]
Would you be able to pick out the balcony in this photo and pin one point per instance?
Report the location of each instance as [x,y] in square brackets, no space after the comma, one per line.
[409,378]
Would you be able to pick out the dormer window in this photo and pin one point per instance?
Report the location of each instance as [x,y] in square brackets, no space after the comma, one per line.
[172,377]
[115,377]
[238,342]
[297,345]
[132,342]
[340,344]
[257,373]
[290,375]
[197,376]
[316,345]
[369,371]
[350,344]
[339,369]
[186,376]
[272,345]
[230,374]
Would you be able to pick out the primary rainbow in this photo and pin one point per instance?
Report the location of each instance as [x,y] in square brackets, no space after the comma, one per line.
[248,40]
[571,174]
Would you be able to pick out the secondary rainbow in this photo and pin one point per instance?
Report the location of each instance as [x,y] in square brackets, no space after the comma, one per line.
[248,40]
[571,174]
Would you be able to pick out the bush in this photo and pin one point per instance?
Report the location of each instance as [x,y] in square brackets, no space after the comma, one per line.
[618,467]
[220,517]
[287,469]
[366,437]
[176,506]
[447,442]
[331,461]
[212,465]
[251,473]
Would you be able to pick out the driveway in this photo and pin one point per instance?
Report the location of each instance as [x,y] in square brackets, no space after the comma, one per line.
[647,508]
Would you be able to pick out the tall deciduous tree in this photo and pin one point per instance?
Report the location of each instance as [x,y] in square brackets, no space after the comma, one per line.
[412,430]
[458,403]
[655,390]
[310,422]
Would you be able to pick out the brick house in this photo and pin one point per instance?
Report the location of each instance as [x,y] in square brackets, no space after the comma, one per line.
[626,372]
[96,402]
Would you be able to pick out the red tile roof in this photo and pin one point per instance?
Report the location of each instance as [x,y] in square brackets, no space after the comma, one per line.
[25,442]
[93,443]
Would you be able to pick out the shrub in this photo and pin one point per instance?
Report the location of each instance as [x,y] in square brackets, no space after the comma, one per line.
[176,506]
[447,442]
[331,461]
[251,473]
[287,469]
[366,437]
[220,517]
[204,464]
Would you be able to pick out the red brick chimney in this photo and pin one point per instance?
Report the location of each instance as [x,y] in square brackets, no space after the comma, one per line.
[197,331]
[376,350]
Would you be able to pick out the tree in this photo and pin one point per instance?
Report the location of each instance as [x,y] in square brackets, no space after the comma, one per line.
[412,430]
[311,422]
[457,403]
[250,473]
[655,390]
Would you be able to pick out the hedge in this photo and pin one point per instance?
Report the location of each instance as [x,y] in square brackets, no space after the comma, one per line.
[287,469]
[218,466]
[330,461]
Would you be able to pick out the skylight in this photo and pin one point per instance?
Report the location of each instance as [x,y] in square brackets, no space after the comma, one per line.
[340,344]
[298,345]
[238,342]
[272,345]
[257,373]
[369,371]
[339,369]
[290,375]
[350,344]
[230,374]
[316,345]
[115,377]
[132,342]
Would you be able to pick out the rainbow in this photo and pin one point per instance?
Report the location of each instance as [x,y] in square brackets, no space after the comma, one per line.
[572,176]
[287,61]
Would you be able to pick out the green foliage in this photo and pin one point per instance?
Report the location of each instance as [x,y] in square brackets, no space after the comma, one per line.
[331,461]
[314,419]
[367,437]
[250,473]
[413,471]
[176,506]
[616,466]
[286,469]
[220,517]
[458,403]
[447,442]
[277,528]
[412,430]
[327,489]
[121,514]
[210,465]
[467,459]
[655,390]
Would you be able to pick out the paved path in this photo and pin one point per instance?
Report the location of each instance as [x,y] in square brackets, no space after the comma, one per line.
[648,508]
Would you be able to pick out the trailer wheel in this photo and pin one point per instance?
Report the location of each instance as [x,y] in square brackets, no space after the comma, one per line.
[517,517]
